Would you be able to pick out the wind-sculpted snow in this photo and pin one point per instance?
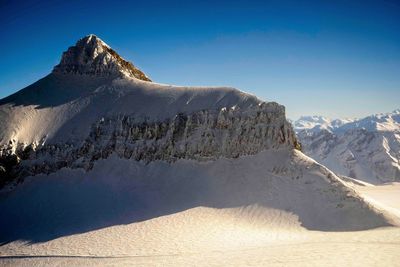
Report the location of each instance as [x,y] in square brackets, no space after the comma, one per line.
[274,191]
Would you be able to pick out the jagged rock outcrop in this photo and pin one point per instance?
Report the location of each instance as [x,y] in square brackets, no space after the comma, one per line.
[91,56]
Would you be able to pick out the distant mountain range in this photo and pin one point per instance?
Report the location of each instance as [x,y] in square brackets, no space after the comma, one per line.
[367,149]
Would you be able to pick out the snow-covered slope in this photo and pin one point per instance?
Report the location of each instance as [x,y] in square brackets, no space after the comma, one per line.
[367,149]
[271,192]
[251,210]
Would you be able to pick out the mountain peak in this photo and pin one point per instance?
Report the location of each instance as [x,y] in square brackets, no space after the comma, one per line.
[92,56]
[91,41]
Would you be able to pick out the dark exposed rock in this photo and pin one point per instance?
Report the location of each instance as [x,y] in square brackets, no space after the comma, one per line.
[91,56]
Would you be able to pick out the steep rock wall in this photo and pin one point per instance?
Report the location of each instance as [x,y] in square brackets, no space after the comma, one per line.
[203,135]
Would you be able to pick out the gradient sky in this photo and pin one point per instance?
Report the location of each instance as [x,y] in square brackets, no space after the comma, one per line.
[333,58]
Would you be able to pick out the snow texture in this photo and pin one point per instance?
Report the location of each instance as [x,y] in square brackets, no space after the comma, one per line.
[253,209]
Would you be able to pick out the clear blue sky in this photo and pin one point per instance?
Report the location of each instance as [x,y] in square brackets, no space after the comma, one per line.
[334,58]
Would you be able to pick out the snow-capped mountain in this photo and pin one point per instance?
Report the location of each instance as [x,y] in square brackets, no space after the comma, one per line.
[317,123]
[367,149]
[383,122]
[94,103]
[97,144]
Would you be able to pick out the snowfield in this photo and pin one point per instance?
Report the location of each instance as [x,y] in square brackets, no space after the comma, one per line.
[274,208]
[384,197]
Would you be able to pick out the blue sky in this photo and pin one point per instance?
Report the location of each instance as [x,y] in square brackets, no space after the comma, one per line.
[334,58]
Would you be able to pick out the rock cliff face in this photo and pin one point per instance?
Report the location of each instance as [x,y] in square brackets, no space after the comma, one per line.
[130,117]
[204,135]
